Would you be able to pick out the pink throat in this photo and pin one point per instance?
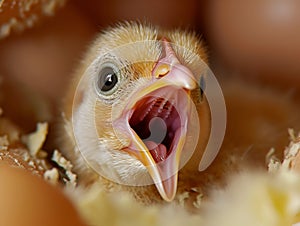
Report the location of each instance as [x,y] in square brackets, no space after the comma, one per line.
[157,121]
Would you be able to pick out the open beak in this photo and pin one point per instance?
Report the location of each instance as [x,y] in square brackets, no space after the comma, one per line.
[156,120]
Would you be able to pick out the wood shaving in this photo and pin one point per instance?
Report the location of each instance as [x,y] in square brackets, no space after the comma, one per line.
[195,189]
[35,140]
[291,159]
[71,180]
[14,153]
[52,176]
[61,161]
[197,203]
[181,198]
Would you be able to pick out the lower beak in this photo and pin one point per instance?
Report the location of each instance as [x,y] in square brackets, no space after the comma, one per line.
[163,173]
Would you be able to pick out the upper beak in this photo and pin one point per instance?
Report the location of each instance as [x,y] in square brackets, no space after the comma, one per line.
[168,72]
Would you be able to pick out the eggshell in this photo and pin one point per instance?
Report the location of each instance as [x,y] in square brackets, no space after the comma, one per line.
[27,200]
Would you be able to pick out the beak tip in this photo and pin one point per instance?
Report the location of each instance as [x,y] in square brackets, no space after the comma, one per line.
[169,198]
[167,188]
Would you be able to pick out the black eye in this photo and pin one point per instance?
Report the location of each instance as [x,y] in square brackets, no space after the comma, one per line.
[107,79]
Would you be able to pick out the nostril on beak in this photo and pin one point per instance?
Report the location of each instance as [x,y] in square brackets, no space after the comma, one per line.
[162,70]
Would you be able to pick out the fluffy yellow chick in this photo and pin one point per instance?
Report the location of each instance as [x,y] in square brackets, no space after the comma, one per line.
[133,112]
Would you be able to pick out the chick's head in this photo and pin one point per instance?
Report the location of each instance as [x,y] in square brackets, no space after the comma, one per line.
[138,105]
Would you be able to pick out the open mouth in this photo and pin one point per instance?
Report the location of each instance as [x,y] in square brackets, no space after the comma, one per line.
[156,121]
[159,119]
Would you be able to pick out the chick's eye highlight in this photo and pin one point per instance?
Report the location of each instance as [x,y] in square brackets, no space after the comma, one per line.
[107,80]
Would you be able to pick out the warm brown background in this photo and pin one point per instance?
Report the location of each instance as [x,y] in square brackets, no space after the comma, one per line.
[255,40]
[252,38]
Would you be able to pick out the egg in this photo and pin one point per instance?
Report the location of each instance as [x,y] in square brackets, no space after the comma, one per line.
[258,38]
[28,200]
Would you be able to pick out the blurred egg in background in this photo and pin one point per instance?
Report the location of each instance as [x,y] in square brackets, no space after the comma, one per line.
[28,200]
[257,38]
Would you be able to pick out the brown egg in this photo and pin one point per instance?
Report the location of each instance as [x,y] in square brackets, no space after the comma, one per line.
[257,37]
[27,200]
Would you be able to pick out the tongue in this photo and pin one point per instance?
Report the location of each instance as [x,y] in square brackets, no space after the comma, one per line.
[158,151]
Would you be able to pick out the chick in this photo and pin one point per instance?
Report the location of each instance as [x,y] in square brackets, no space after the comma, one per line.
[132,115]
